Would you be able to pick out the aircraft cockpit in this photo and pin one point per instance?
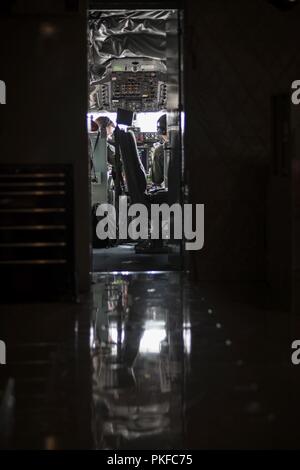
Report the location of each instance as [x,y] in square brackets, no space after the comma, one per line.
[134,126]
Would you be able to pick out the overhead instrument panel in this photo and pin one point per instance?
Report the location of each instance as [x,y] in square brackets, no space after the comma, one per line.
[134,84]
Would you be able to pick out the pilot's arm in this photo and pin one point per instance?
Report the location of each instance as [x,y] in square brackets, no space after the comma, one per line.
[111,154]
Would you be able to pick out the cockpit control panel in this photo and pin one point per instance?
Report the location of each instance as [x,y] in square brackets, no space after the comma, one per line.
[135,84]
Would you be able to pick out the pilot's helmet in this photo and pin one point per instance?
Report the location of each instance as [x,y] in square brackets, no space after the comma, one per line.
[162,125]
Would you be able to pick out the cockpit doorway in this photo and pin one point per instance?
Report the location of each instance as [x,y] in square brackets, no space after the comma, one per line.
[135,127]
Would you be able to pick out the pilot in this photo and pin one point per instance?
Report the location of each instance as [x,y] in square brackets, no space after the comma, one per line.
[157,171]
[107,127]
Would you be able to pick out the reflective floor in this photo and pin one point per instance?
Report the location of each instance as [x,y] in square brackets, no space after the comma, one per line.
[137,346]
[123,257]
[150,360]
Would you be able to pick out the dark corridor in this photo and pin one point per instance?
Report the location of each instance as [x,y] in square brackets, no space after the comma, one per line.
[130,345]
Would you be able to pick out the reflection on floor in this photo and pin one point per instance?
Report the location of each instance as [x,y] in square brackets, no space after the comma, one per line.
[137,379]
[47,373]
[173,366]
